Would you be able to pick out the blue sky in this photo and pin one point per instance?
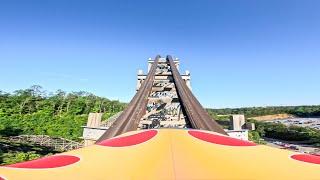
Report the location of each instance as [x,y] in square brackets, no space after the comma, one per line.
[240,52]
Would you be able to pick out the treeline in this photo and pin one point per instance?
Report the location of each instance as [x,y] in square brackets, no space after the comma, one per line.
[300,111]
[288,133]
[58,114]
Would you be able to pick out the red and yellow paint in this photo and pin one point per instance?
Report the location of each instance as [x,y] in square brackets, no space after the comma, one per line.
[169,154]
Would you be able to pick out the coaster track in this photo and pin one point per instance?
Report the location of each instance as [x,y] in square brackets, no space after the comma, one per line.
[129,119]
[196,116]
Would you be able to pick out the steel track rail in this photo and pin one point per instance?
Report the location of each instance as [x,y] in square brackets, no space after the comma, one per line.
[129,119]
[197,116]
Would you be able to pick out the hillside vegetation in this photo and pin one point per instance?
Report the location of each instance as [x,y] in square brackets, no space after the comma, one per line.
[59,114]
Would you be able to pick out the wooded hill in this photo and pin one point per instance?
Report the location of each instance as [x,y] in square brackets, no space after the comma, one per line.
[58,114]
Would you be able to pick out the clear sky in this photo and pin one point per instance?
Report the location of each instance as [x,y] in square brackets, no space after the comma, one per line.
[239,52]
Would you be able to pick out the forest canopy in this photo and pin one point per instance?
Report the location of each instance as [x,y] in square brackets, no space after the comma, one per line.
[58,114]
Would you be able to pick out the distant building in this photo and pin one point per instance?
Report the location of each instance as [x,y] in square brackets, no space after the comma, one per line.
[237,122]
[239,127]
